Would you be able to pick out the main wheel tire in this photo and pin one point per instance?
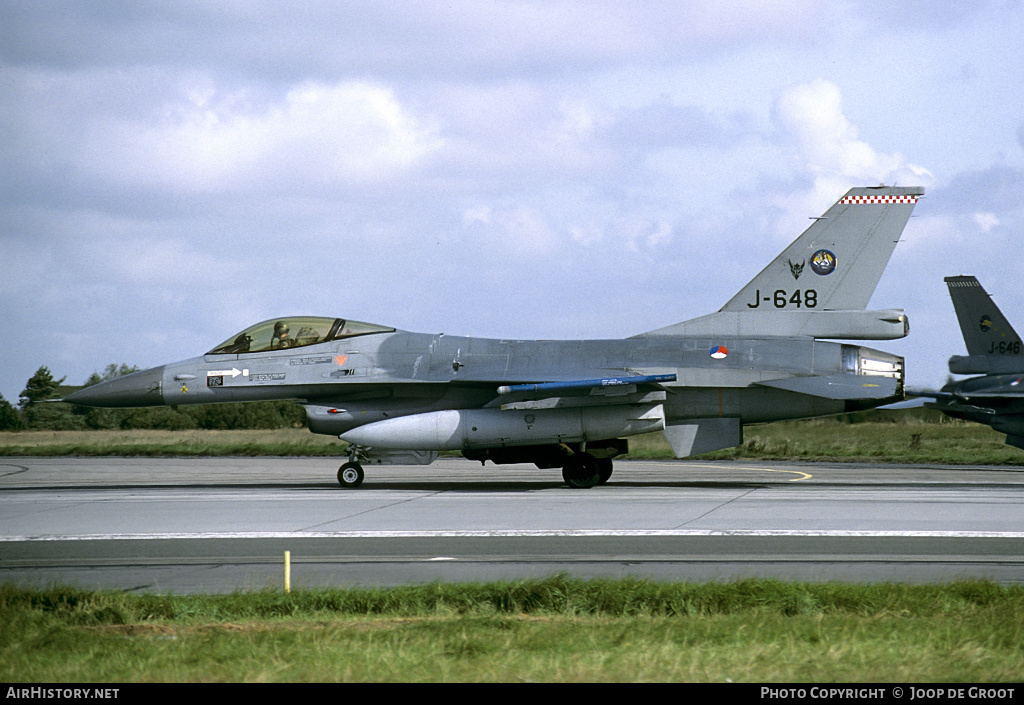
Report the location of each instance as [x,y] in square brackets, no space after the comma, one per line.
[604,470]
[581,471]
[350,475]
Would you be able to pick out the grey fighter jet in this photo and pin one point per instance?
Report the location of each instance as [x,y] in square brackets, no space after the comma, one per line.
[995,352]
[401,397]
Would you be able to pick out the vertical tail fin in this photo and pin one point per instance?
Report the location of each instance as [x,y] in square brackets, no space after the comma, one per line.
[982,323]
[993,345]
[837,262]
[820,285]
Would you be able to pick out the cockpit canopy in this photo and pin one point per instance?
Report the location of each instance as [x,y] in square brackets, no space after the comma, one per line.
[294,332]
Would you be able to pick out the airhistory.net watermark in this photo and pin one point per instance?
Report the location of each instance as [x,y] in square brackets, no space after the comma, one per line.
[48,693]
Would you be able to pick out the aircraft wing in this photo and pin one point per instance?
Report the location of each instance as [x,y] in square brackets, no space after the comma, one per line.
[990,394]
[995,387]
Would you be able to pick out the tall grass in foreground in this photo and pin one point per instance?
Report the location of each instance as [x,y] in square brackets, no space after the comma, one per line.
[557,629]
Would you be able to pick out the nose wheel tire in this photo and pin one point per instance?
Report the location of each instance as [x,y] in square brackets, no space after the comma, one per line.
[581,471]
[350,475]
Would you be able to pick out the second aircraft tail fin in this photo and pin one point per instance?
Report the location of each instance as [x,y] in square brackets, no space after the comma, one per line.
[993,346]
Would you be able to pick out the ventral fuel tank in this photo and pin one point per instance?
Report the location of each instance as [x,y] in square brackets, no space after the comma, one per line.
[460,429]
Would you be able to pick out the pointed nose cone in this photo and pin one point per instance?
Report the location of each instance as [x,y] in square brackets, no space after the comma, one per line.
[140,389]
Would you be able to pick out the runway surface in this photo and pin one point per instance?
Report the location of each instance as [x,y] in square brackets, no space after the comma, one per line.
[217,525]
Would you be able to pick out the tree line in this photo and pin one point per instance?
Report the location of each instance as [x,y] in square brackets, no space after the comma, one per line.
[36,410]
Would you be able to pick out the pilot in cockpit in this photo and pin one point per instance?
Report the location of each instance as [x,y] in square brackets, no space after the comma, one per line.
[281,338]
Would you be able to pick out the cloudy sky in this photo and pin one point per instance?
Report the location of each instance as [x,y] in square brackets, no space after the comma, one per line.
[172,172]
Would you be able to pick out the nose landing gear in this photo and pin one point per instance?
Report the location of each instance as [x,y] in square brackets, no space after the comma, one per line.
[350,475]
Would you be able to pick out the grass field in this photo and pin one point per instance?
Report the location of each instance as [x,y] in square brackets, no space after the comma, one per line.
[916,436]
[550,630]
[194,442]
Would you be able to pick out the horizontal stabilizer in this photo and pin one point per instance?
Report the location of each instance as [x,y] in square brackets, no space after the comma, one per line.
[887,324]
[917,393]
[990,394]
[985,364]
[585,384]
[980,389]
[697,436]
[842,386]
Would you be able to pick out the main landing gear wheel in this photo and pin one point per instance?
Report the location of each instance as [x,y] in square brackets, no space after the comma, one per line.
[604,470]
[581,471]
[350,475]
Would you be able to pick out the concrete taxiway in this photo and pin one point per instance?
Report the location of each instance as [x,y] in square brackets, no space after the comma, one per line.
[215,525]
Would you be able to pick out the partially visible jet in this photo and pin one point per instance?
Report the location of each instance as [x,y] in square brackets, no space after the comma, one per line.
[995,352]
[402,397]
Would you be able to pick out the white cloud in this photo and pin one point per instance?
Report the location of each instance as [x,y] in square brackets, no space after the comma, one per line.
[518,231]
[932,236]
[476,214]
[317,136]
[586,234]
[986,221]
[811,115]
[506,231]
[639,235]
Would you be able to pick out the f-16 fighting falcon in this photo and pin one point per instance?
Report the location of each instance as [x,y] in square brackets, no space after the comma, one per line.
[400,397]
[995,352]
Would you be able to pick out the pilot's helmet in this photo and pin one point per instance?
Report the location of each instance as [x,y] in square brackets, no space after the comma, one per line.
[280,329]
